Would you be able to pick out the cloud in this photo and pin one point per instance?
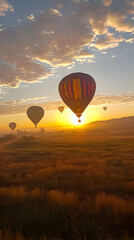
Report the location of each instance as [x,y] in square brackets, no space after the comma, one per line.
[84,56]
[3,91]
[29,100]
[30,17]
[24,70]
[5,7]
[107,2]
[104,52]
[20,106]
[130,40]
[113,99]
[60,38]
[108,41]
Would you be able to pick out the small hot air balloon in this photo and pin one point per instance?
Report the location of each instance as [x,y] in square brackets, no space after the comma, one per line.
[61,108]
[12,125]
[104,108]
[35,114]
[77,91]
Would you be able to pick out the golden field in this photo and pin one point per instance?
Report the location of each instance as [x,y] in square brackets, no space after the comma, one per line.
[71,184]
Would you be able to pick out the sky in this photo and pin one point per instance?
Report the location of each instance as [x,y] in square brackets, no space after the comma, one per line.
[43,41]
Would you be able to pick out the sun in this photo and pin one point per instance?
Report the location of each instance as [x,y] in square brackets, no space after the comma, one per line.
[75,120]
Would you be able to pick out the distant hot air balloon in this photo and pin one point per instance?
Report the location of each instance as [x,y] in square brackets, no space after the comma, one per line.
[35,114]
[77,91]
[61,108]
[104,108]
[12,125]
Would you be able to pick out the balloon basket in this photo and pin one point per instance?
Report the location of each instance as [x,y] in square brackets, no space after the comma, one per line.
[79,121]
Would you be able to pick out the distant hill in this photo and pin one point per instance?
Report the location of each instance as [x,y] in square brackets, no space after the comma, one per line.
[117,124]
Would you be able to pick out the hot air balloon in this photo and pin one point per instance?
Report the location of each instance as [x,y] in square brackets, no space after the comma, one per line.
[77,91]
[12,125]
[35,114]
[61,108]
[104,108]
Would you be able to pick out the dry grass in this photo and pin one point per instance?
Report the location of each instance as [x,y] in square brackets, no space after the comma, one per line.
[71,186]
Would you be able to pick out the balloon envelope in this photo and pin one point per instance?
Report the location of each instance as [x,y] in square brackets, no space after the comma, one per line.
[12,125]
[77,91]
[61,108]
[105,108]
[35,114]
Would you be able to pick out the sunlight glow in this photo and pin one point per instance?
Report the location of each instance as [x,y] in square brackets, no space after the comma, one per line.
[75,120]
[91,114]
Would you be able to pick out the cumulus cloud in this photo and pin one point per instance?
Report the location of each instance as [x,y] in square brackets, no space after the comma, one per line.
[21,105]
[108,41]
[24,70]
[5,7]
[59,39]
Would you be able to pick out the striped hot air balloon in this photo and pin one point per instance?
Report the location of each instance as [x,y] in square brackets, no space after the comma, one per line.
[77,91]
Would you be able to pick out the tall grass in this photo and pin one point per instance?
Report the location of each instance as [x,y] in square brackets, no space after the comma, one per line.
[67,188]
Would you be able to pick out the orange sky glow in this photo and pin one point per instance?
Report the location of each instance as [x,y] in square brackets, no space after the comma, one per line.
[67,118]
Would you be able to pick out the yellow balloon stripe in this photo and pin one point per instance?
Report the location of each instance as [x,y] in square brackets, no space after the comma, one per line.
[74,88]
[65,87]
[79,88]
